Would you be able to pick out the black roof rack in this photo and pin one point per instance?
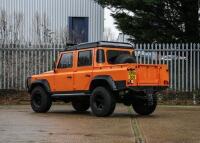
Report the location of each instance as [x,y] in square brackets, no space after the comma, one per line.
[100,44]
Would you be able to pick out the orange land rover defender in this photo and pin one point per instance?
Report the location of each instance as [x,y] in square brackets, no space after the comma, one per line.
[99,75]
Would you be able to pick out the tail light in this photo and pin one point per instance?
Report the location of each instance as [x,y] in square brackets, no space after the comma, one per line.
[166,82]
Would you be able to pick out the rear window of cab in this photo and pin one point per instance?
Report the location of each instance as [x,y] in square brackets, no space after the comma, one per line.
[113,54]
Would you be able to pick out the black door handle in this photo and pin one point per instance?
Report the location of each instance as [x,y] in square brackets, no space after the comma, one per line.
[87,75]
[69,77]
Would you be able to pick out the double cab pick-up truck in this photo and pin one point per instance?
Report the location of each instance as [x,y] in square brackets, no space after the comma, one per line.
[98,75]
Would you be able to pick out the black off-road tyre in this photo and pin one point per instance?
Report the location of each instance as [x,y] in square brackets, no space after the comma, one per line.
[40,101]
[143,107]
[81,104]
[102,102]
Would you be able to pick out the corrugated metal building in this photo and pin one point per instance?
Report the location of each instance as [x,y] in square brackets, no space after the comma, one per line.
[51,21]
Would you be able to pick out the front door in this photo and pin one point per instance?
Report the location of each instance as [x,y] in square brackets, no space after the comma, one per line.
[83,73]
[64,77]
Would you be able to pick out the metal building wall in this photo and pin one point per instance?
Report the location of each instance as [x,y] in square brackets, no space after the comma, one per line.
[57,13]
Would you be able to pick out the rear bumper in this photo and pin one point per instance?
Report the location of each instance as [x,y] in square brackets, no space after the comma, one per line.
[121,85]
[148,88]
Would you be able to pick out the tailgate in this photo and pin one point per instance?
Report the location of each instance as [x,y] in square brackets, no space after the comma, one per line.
[150,75]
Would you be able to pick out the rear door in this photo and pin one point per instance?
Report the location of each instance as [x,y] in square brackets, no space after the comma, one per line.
[83,73]
[64,76]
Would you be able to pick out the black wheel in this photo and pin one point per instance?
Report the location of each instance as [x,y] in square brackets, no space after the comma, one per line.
[40,101]
[145,105]
[102,102]
[81,104]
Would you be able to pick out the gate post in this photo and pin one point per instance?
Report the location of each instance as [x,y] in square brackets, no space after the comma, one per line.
[194,98]
[1,70]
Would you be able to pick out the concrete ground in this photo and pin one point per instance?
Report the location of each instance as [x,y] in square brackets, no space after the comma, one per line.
[63,125]
[172,124]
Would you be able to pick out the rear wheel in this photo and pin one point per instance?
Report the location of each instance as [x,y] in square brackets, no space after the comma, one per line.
[40,101]
[81,104]
[145,105]
[102,102]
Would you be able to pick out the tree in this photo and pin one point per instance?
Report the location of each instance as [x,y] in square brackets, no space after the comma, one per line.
[37,27]
[64,36]
[108,35]
[156,20]
[17,25]
[46,32]
[10,28]
[3,27]
[43,33]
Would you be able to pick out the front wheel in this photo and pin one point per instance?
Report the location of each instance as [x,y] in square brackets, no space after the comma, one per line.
[102,102]
[145,105]
[40,101]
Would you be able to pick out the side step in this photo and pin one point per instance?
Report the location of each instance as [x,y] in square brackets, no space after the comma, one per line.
[70,95]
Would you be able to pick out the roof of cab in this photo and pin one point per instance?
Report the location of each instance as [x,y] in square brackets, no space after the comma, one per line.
[100,44]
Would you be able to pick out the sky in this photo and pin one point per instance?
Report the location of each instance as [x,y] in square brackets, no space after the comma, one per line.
[109,23]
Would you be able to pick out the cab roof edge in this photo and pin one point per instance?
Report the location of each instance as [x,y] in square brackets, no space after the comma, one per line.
[100,44]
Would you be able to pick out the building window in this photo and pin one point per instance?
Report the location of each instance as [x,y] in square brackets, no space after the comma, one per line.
[78,29]
[85,58]
[66,61]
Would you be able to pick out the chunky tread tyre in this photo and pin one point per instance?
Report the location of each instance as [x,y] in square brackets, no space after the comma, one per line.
[142,107]
[102,102]
[81,104]
[40,101]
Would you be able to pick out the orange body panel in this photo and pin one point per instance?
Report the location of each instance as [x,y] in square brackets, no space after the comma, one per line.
[81,77]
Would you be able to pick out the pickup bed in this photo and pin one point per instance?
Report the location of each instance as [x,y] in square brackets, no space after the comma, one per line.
[151,75]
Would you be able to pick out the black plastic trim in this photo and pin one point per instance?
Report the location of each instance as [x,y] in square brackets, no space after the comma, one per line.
[107,78]
[100,44]
[121,84]
[75,94]
[72,92]
[148,88]
[42,82]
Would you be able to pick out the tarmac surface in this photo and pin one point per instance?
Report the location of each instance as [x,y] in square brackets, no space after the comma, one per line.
[18,123]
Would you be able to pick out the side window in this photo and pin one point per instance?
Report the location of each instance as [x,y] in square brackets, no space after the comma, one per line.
[66,61]
[84,58]
[100,56]
[113,54]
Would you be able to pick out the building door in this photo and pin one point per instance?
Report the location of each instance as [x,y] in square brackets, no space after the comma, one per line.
[78,29]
